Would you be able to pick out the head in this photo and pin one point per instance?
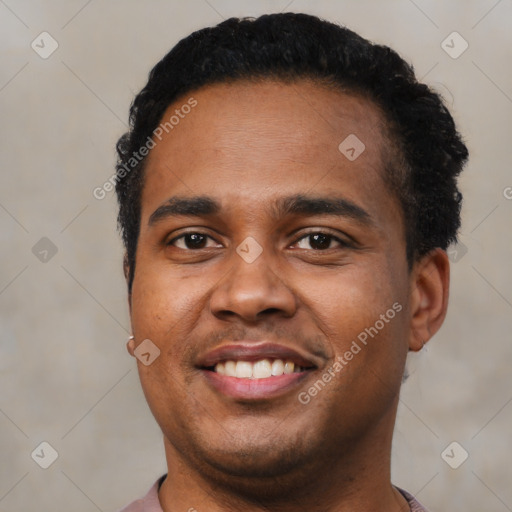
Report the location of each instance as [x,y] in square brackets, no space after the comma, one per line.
[242,125]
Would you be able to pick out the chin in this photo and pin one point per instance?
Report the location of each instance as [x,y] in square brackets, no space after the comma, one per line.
[260,473]
[255,461]
[259,461]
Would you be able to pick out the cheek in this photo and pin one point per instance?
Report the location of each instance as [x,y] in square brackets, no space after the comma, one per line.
[159,299]
[362,308]
[350,298]
[162,312]
[168,309]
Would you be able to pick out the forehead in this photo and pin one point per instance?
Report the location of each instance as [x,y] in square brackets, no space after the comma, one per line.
[242,138]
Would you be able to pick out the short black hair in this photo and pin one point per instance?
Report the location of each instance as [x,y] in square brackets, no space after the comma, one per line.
[289,47]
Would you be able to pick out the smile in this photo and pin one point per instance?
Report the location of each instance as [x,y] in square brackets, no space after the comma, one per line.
[261,369]
[250,371]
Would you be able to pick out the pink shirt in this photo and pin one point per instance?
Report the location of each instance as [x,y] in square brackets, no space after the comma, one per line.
[150,502]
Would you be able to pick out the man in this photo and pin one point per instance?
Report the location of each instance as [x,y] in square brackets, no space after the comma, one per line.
[287,192]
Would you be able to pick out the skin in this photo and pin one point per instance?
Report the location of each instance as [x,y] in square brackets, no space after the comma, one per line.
[247,145]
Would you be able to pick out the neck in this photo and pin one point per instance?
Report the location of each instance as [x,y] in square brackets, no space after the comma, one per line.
[350,480]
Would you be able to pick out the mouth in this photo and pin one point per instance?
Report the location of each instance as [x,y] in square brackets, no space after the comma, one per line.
[255,371]
[261,369]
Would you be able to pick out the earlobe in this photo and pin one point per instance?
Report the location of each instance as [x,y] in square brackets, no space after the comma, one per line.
[429,297]
[130,345]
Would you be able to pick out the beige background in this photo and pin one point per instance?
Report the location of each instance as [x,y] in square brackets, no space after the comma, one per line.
[65,377]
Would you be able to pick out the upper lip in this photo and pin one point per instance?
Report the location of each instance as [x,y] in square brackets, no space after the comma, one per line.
[255,351]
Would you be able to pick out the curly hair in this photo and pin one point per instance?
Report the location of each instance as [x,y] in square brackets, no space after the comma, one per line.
[429,153]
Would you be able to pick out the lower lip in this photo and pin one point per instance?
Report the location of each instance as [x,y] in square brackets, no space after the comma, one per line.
[255,389]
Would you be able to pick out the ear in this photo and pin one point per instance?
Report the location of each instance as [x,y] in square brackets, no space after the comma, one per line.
[430,285]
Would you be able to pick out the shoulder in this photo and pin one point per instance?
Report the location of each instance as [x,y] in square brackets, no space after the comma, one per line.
[149,503]
[413,503]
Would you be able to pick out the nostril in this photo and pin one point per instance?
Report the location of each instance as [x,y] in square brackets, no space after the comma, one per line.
[269,311]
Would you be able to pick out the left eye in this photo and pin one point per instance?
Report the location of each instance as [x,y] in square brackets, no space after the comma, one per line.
[318,241]
[191,241]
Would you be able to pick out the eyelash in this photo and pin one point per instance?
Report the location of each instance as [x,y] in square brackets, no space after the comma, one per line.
[342,243]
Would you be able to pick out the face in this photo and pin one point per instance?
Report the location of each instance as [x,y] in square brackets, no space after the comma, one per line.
[271,273]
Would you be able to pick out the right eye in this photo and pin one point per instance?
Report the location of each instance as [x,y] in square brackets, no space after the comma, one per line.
[192,240]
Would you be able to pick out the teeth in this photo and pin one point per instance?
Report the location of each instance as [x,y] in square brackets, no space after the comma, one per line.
[277,367]
[289,367]
[258,370]
[261,369]
[243,370]
[229,368]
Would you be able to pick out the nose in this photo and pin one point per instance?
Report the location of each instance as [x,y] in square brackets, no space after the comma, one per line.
[252,292]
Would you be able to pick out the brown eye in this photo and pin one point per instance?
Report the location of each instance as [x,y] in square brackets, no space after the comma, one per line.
[190,241]
[318,241]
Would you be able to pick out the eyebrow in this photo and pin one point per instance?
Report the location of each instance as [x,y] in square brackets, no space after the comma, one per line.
[311,205]
[185,206]
[203,206]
